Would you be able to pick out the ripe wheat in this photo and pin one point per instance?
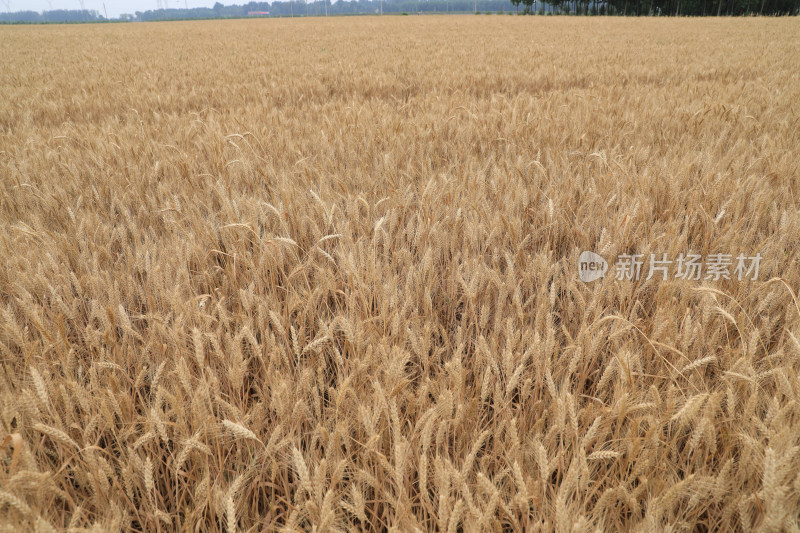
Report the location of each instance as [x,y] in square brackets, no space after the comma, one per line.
[299,274]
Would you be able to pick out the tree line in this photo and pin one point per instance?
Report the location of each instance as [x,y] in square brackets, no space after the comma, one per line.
[298,8]
[662,7]
[56,15]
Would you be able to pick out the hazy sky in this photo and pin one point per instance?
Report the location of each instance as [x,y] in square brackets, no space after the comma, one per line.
[114,7]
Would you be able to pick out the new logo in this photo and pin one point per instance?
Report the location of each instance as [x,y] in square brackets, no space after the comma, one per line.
[591,266]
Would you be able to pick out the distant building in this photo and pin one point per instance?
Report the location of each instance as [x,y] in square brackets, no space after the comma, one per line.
[258,13]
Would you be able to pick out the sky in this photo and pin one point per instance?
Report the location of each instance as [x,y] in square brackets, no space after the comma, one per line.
[114,7]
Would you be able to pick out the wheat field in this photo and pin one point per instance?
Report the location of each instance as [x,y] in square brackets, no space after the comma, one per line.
[322,275]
